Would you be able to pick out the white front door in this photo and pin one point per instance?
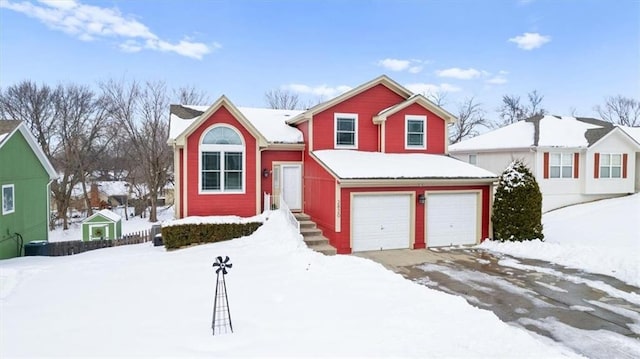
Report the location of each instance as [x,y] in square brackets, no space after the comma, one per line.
[452,219]
[381,222]
[292,186]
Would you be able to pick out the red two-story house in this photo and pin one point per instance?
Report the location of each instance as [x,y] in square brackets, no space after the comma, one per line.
[370,167]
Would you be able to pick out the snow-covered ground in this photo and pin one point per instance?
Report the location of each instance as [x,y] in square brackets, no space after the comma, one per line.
[599,237]
[133,224]
[285,300]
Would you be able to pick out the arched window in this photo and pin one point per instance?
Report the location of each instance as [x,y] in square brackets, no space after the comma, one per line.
[222,160]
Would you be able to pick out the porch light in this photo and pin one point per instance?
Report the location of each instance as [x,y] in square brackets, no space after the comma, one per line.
[421,199]
[265,173]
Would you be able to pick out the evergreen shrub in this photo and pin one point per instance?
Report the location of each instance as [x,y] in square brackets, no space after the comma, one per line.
[517,206]
[187,234]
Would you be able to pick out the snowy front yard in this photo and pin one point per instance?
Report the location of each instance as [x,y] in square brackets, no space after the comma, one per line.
[285,300]
[599,237]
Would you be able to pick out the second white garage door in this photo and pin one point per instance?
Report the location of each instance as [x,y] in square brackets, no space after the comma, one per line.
[452,219]
[381,222]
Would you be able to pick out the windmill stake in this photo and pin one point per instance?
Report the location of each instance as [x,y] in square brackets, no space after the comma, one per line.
[221,314]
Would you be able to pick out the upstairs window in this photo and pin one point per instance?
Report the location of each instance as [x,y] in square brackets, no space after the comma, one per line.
[473,159]
[8,199]
[415,131]
[222,161]
[346,130]
[561,165]
[610,165]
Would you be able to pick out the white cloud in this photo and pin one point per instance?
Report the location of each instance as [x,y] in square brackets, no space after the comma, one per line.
[394,64]
[89,22]
[461,74]
[323,91]
[413,66]
[497,80]
[425,88]
[530,40]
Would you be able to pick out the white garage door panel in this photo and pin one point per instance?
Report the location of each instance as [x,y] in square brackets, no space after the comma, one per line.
[381,222]
[452,219]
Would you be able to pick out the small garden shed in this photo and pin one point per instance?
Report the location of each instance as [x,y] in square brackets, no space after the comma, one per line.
[102,225]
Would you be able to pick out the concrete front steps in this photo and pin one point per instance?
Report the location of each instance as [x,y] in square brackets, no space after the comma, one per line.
[313,235]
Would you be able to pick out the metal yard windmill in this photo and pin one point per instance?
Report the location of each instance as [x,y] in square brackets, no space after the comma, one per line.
[221,322]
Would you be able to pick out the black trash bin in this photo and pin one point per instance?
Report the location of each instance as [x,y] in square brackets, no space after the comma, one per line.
[157,240]
[36,248]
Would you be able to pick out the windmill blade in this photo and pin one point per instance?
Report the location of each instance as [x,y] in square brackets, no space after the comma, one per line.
[216,264]
[219,259]
[226,259]
[224,270]
[220,269]
[229,265]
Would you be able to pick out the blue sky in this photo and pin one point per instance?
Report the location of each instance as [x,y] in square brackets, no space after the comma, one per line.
[573,52]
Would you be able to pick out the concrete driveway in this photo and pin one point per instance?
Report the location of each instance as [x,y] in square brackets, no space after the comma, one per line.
[593,315]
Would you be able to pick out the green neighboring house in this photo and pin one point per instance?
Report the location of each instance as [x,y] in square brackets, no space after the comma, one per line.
[25,177]
[103,224]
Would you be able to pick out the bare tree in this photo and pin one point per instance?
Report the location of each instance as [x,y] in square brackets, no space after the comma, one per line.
[189,95]
[620,110]
[513,110]
[84,139]
[33,104]
[282,99]
[437,97]
[141,111]
[470,117]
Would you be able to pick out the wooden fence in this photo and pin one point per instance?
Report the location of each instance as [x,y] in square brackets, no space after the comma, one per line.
[73,247]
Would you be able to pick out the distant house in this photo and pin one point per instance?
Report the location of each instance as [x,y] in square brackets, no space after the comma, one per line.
[574,160]
[25,176]
[370,168]
[103,224]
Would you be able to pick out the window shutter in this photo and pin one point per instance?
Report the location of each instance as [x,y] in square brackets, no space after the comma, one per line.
[576,165]
[546,165]
[624,165]
[596,165]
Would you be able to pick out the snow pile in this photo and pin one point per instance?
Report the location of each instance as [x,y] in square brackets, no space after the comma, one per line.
[600,237]
[285,300]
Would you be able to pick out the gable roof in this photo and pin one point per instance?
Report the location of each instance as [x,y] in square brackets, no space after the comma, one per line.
[9,127]
[105,213]
[267,125]
[419,99]
[349,164]
[383,79]
[540,131]
[633,132]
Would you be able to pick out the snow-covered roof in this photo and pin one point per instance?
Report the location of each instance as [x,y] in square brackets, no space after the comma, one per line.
[348,164]
[633,132]
[270,123]
[107,214]
[552,131]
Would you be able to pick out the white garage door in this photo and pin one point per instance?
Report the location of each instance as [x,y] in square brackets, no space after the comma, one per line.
[452,219]
[381,222]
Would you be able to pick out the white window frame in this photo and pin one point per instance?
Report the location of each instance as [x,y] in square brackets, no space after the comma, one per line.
[422,119]
[5,200]
[561,166]
[351,116]
[222,149]
[473,159]
[610,166]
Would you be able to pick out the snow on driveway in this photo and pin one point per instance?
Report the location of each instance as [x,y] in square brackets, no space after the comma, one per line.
[285,300]
[599,237]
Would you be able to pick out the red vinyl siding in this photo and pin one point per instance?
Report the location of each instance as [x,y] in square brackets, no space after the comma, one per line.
[576,165]
[596,165]
[545,163]
[366,104]
[342,240]
[624,165]
[221,204]
[319,196]
[395,131]
[179,195]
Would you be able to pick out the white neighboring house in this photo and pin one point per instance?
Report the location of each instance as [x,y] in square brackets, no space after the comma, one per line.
[574,160]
